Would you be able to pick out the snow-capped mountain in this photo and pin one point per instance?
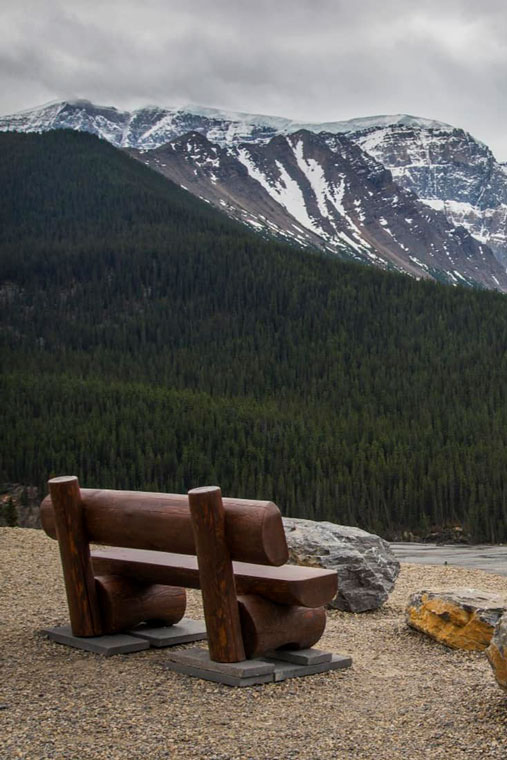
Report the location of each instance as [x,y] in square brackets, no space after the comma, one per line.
[449,171]
[323,190]
[152,126]
[347,187]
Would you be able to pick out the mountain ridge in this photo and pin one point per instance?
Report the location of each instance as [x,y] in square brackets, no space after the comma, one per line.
[284,125]
[459,189]
[452,173]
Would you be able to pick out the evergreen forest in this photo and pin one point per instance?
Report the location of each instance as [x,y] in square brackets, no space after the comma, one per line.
[148,342]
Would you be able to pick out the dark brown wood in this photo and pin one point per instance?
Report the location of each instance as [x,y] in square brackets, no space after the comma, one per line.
[84,610]
[277,606]
[215,575]
[140,520]
[266,626]
[125,602]
[290,584]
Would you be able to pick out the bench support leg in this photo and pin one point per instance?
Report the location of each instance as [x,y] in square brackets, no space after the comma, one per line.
[268,626]
[125,602]
[75,555]
[216,576]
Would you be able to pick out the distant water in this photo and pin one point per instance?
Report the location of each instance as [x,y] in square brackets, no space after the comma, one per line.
[492,558]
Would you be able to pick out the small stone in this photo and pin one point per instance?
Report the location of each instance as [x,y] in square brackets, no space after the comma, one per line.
[366,566]
[497,651]
[459,618]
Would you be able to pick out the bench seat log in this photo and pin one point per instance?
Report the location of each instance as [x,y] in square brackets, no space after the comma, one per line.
[290,584]
[162,522]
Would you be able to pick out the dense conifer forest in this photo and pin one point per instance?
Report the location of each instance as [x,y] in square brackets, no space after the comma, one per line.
[150,343]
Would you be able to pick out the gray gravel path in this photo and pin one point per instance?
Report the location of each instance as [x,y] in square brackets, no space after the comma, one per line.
[405,698]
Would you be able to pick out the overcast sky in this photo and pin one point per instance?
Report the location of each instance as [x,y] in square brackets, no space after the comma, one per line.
[314,61]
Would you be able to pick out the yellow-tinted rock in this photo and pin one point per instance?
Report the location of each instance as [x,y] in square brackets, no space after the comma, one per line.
[497,652]
[458,618]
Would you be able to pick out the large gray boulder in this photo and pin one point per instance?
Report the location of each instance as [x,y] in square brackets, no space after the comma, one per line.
[366,566]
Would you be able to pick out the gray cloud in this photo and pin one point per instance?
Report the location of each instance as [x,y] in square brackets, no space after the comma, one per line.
[314,61]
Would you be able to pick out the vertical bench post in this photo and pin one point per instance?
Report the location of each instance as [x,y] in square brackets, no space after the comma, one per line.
[216,576]
[75,554]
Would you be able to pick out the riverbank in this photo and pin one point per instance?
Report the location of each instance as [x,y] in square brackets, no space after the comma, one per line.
[404,697]
[489,557]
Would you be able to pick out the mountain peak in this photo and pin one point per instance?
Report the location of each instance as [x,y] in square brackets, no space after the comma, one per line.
[391,120]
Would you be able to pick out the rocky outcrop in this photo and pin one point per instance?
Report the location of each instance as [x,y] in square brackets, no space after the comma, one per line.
[19,505]
[497,651]
[450,171]
[459,618]
[366,566]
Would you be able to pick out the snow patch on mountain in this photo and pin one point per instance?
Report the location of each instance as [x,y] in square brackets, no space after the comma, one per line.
[351,186]
[284,190]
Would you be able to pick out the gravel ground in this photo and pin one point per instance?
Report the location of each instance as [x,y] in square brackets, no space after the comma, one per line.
[405,696]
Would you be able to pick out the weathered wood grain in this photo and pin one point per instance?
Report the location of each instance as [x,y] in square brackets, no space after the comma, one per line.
[290,584]
[70,529]
[143,520]
[266,626]
[215,575]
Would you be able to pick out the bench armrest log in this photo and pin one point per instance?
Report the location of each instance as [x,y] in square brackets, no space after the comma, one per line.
[141,520]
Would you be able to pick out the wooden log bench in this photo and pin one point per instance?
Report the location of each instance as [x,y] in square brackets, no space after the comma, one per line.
[233,550]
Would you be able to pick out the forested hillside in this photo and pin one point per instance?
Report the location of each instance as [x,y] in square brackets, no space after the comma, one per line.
[148,342]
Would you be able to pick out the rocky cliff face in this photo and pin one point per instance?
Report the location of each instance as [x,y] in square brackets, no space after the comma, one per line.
[399,192]
[449,171]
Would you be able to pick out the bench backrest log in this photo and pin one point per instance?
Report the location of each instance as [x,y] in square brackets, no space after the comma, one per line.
[143,520]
